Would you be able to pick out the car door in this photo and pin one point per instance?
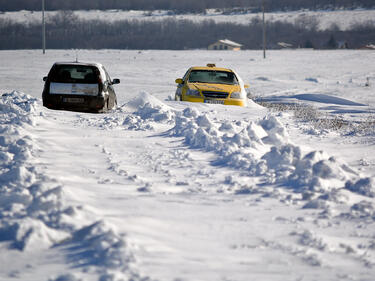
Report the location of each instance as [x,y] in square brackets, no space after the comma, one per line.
[179,90]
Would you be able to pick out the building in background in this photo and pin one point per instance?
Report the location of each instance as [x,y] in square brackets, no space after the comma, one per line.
[225,44]
[284,45]
[368,47]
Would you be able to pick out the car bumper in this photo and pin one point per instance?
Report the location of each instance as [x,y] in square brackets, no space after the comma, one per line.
[237,102]
[74,102]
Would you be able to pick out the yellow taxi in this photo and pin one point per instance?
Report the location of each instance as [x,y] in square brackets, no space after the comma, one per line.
[211,84]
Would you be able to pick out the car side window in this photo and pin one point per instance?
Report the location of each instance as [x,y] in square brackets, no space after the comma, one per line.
[185,76]
[108,78]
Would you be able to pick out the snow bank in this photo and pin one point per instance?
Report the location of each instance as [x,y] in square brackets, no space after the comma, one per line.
[146,109]
[263,149]
[34,215]
[140,113]
[29,208]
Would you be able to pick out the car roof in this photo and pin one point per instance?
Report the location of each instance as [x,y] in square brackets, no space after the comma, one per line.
[210,68]
[99,65]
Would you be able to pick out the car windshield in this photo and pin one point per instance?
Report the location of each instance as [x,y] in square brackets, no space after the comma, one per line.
[74,74]
[212,76]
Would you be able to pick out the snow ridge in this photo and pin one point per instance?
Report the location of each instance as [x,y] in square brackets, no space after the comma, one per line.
[260,148]
[263,149]
[34,213]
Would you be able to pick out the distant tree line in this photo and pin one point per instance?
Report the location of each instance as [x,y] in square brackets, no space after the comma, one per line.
[180,6]
[66,30]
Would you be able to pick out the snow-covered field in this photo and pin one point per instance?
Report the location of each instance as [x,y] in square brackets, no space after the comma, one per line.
[165,190]
[344,19]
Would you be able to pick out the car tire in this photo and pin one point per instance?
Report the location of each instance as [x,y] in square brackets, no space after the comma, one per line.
[177,98]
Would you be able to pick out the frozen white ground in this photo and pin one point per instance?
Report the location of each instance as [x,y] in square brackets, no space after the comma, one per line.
[342,18]
[165,190]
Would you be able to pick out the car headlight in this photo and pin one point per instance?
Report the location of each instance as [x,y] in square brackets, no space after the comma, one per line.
[236,95]
[194,93]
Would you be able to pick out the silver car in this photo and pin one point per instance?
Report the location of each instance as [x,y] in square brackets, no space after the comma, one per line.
[79,86]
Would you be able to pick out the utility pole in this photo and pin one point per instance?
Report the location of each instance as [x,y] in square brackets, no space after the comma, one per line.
[264,32]
[43,28]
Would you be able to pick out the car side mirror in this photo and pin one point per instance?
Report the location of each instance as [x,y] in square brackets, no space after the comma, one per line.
[246,86]
[179,81]
[45,78]
[115,81]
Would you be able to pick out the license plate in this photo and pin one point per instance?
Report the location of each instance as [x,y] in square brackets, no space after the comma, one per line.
[73,100]
[214,101]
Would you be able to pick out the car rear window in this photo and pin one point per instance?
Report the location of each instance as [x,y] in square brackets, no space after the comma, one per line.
[74,74]
[212,76]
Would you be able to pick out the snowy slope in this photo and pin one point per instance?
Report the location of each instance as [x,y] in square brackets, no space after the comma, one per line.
[342,18]
[165,190]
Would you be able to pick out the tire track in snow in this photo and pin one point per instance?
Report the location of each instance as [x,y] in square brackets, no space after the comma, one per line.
[35,213]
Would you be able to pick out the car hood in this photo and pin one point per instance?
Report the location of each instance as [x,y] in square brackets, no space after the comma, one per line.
[214,87]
